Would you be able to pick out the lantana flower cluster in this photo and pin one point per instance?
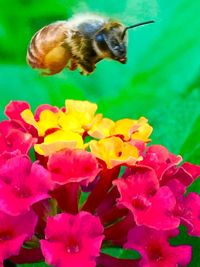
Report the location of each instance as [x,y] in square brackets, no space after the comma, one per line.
[74,184]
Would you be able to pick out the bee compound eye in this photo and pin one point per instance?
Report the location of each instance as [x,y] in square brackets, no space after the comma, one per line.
[101,42]
[100,38]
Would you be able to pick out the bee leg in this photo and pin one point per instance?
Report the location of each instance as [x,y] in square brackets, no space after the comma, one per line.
[86,67]
[73,65]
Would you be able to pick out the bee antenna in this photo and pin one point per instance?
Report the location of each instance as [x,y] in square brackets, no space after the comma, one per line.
[136,25]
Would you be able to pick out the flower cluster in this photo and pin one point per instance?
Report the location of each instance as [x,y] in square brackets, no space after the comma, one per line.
[74,184]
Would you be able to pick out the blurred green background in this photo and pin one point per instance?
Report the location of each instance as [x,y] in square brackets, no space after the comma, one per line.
[161,80]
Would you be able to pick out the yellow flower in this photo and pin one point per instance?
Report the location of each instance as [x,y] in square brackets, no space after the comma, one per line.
[83,111]
[47,120]
[132,129]
[143,132]
[101,128]
[59,140]
[125,128]
[68,122]
[113,151]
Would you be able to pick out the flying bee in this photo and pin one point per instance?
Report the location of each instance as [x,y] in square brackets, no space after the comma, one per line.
[81,41]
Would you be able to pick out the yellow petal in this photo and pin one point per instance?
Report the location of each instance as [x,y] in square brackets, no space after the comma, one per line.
[101,128]
[125,128]
[28,117]
[59,140]
[47,120]
[84,111]
[68,122]
[143,132]
[113,151]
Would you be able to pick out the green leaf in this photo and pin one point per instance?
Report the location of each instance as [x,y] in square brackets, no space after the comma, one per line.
[121,253]
[41,264]
[175,123]
[191,147]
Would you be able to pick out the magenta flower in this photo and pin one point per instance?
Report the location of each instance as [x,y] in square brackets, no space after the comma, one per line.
[192,169]
[165,164]
[155,248]
[187,207]
[187,173]
[73,166]
[189,212]
[151,206]
[66,206]
[13,137]
[21,183]
[160,159]
[72,240]
[14,109]
[14,230]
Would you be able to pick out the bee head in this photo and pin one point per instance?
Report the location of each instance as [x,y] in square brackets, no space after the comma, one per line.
[109,42]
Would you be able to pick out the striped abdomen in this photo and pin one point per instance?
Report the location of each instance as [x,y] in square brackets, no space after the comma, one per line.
[47,51]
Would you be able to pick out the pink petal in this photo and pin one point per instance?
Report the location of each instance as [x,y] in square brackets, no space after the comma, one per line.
[22,184]
[150,205]
[72,240]
[159,214]
[14,231]
[14,109]
[14,138]
[159,158]
[192,169]
[191,213]
[44,107]
[73,166]
[155,248]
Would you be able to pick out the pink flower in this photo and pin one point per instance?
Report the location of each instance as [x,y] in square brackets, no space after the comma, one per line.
[73,166]
[192,169]
[155,248]
[189,212]
[151,206]
[160,159]
[14,109]
[72,240]
[13,137]
[165,164]
[187,207]
[21,183]
[44,107]
[14,230]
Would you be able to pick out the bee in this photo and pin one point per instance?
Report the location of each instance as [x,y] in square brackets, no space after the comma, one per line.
[81,41]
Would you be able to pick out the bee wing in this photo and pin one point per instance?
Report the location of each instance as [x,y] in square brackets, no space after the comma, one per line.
[47,49]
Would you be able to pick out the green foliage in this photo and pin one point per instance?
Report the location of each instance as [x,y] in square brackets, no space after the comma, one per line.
[41,264]
[121,253]
[160,81]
